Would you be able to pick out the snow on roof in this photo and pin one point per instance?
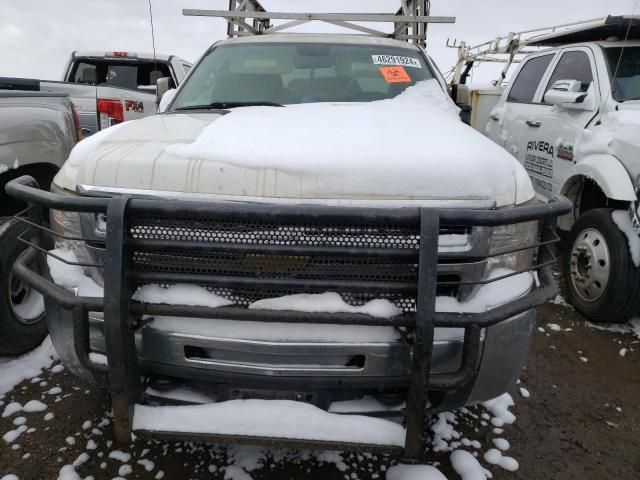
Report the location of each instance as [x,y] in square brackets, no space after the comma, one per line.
[598,30]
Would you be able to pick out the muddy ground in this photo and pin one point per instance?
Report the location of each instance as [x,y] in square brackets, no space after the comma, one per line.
[581,421]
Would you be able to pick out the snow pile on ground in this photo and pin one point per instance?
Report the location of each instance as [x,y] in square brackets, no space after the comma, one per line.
[418,132]
[90,448]
[29,407]
[561,301]
[444,431]
[68,472]
[271,418]
[414,472]
[30,365]
[499,407]
[623,221]
[631,327]
[328,302]
[72,276]
[495,457]
[467,466]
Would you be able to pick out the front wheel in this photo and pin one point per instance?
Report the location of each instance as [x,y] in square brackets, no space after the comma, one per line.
[602,281]
[22,320]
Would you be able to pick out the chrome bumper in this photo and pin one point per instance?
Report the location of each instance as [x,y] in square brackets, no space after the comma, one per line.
[283,358]
[504,351]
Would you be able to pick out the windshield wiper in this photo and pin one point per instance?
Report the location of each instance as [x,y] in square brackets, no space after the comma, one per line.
[228,105]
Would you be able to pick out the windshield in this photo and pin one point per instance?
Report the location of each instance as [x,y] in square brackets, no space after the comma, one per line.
[276,73]
[626,85]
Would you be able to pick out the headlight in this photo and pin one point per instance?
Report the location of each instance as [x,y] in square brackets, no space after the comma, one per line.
[508,238]
[68,224]
[65,224]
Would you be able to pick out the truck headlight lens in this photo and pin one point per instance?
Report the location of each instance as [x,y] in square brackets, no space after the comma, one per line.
[64,223]
[507,238]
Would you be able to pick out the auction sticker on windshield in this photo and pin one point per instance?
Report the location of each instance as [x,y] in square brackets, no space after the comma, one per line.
[395,74]
[396,60]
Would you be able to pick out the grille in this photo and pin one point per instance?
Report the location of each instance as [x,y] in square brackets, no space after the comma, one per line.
[256,265]
[392,236]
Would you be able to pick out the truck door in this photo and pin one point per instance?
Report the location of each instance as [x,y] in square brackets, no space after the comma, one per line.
[512,125]
[552,140]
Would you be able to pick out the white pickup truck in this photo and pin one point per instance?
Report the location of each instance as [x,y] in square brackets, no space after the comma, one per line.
[107,88]
[297,190]
[571,115]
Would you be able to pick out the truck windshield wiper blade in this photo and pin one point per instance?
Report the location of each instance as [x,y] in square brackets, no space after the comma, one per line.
[228,105]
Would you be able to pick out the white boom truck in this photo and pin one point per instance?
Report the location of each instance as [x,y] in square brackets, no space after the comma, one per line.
[308,230]
[571,116]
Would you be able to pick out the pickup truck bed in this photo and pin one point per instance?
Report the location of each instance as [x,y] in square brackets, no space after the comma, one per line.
[107,88]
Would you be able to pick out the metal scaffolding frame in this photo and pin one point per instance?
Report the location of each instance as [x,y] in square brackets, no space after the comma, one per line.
[508,49]
[249,17]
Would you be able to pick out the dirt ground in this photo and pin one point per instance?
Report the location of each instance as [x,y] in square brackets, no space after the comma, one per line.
[581,421]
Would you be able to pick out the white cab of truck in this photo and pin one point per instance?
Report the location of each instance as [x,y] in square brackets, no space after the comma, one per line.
[108,88]
[571,116]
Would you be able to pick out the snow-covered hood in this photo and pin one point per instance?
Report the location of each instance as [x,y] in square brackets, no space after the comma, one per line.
[413,147]
[618,134]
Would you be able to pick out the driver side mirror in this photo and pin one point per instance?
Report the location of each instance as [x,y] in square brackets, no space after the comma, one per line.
[465,114]
[461,95]
[163,85]
[568,94]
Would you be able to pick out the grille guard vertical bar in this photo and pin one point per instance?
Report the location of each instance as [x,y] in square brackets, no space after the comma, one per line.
[122,358]
[426,308]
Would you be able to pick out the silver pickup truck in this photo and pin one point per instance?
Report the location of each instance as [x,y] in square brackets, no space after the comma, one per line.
[37,132]
[107,88]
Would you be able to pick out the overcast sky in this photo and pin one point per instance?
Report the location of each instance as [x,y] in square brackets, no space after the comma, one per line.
[36,37]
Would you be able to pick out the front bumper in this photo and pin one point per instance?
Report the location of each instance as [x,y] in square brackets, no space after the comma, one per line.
[449,372]
[309,365]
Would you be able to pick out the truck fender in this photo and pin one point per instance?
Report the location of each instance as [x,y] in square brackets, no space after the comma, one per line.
[607,172]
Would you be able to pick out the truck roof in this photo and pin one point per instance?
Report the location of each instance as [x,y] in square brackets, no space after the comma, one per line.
[598,30]
[123,55]
[348,38]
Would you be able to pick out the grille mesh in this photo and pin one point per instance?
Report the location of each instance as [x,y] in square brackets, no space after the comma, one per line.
[268,266]
[258,233]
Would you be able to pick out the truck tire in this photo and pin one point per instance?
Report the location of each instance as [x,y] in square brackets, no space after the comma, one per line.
[22,320]
[601,280]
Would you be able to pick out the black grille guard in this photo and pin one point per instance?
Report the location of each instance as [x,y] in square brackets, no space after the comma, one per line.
[122,315]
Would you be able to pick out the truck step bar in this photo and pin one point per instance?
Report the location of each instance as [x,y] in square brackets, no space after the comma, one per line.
[126,243]
[249,17]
